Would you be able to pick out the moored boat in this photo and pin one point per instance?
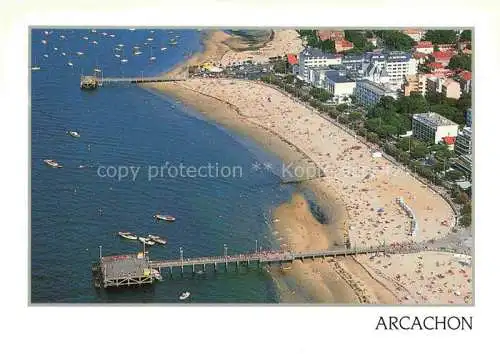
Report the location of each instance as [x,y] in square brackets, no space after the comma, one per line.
[74,134]
[157,239]
[127,235]
[52,163]
[164,217]
[146,241]
[184,295]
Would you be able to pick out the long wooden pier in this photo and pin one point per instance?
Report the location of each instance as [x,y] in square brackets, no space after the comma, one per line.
[92,82]
[259,258]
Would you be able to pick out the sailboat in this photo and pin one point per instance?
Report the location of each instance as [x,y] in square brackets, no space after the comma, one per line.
[35,67]
[151,57]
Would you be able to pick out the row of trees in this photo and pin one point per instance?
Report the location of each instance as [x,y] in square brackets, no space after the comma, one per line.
[460,61]
[359,39]
[387,119]
[441,36]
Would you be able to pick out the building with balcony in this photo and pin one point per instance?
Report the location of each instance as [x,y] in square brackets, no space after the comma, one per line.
[339,84]
[463,143]
[312,57]
[369,93]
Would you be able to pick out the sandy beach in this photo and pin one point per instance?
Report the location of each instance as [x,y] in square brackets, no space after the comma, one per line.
[358,195]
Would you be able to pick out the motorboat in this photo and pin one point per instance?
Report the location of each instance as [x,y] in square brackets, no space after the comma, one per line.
[184,295]
[45,55]
[86,38]
[63,54]
[163,48]
[149,39]
[56,49]
[138,52]
[52,163]
[156,274]
[62,36]
[146,241]
[44,41]
[74,134]
[104,33]
[97,70]
[127,235]
[95,42]
[70,63]
[35,68]
[46,33]
[124,60]
[157,239]
[164,217]
[117,55]
[121,45]
[79,53]
[131,29]
[152,58]
[112,35]
[93,30]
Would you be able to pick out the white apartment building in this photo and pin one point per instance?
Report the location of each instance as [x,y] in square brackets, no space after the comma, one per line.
[399,64]
[463,143]
[369,93]
[433,127]
[314,58]
[339,84]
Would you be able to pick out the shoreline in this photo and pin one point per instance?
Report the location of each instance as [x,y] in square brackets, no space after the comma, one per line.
[343,193]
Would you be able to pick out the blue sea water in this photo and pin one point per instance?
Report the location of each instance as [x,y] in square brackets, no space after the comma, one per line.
[74,210]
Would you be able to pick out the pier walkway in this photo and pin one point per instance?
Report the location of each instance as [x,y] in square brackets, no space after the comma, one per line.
[92,82]
[266,257]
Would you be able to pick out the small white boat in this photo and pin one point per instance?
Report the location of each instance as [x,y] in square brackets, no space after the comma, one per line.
[55,48]
[120,45]
[70,63]
[46,33]
[138,52]
[52,163]
[104,34]
[112,35]
[146,241]
[157,239]
[74,134]
[131,29]
[156,274]
[127,235]
[35,68]
[97,70]
[44,41]
[46,55]
[63,54]
[184,295]
[152,31]
[164,217]
[62,36]
[149,39]
[86,38]
[117,55]
[79,53]
[152,58]
[93,30]
[163,48]
[124,60]
[95,42]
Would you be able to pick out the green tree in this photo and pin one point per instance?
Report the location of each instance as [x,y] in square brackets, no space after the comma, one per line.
[454,175]
[415,103]
[460,61]
[358,39]
[441,36]
[395,40]
[320,94]
[466,35]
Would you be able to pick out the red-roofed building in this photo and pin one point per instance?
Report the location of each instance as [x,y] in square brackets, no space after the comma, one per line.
[420,57]
[435,66]
[465,79]
[343,45]
[415,33]
[292,59]
[425,47]
[333,35]
[446,47]
[443,57]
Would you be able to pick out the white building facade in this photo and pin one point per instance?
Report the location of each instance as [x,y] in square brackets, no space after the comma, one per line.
[433,127]
[463,143]
[314,58]
[369,93]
